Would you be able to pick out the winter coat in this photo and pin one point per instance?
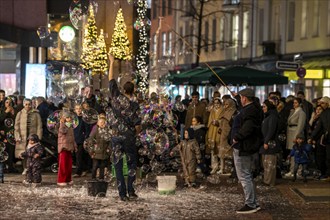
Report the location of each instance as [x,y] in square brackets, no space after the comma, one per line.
[81,131]
[269,131]
[296,125]
[323,127]
[213,137]
[199,134]
[29,154]
[193,110]
[23,130]
[225,128]
[102,149]
[246,130]
[190,153]
[300,153]
[66,139]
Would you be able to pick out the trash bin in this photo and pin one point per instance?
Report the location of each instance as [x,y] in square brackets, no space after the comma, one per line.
[97,188]
[166,185]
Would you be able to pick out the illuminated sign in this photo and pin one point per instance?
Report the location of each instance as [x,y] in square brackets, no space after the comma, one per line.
[67,33]
[35,80]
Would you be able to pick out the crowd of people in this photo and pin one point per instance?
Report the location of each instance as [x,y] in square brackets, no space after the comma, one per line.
[258,138]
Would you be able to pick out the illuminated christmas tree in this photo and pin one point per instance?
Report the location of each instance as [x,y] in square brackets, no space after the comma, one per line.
[101,56]
[89,41]
[120,43]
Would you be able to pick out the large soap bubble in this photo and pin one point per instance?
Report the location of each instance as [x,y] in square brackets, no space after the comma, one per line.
[90,116]
[77,10]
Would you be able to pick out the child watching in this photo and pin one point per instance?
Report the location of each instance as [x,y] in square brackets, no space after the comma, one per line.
[199,135]
[101,151]
[33,154]
[300,153]
[190,156]
[66,145]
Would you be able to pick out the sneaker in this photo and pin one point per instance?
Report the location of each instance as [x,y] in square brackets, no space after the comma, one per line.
[258,207]
[198,170]
[246,210]
[35,184]
[132,196]
[289,174]
[124,198]
[25,182]
[62,184]
[24,172]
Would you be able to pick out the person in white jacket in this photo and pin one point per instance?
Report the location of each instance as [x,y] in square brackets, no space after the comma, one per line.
[296,126]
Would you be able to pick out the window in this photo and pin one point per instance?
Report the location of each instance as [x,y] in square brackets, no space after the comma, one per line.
[164,43]
[169,7]
[291,21]
[163,7]
[316,17]
[245,29]
[303,29]
[276,24]
[222,32]
[169,43]
[206,48]
[154,9]
[214,35]
[235,27]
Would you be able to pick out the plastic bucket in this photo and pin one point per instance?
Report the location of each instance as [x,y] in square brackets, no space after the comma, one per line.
[166,185]
[97,188]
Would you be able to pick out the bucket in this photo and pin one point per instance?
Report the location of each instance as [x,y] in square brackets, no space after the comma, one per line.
[97,188]
[166,185]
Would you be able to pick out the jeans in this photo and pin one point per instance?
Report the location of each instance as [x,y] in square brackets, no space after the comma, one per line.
[81,159]
[244,166]
[127,146]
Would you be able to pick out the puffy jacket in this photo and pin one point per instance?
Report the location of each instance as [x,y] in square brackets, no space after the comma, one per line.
[300,153]
[66,139]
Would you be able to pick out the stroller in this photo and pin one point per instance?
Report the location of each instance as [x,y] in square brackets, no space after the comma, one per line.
[50,157]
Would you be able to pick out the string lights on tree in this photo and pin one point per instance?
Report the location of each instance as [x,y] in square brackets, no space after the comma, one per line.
[141,59]
[89,41]
[101,57]
[120,43]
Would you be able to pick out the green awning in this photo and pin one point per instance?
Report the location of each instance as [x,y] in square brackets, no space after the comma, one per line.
[237,75]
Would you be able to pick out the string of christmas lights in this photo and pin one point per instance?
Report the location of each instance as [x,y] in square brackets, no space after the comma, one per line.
[141,59]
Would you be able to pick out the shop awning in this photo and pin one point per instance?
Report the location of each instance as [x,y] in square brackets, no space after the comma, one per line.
[317,63]
[237,75]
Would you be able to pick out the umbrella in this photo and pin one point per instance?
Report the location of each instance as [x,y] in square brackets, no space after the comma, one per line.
[185,77]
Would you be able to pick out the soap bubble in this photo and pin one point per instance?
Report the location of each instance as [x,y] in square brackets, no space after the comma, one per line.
[90,116]
[282,137]
[9,122]
[43,32]
[10,136]
[131,172]
[3,156]
[271,144]
[52,121]
[2,147]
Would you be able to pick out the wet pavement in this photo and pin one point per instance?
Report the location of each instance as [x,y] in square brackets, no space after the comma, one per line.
[207,201]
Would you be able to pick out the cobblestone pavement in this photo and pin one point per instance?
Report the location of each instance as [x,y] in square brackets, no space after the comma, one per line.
[207,201]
